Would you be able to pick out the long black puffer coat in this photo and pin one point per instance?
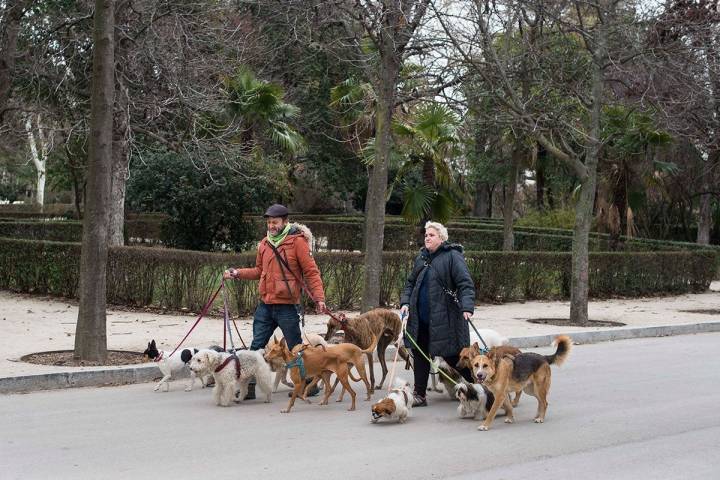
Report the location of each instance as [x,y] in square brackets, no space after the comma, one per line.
[449,331]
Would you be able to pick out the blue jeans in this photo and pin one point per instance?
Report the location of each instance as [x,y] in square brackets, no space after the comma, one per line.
[269,317]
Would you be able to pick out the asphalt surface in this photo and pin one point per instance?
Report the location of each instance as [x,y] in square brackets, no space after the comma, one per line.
[644,408]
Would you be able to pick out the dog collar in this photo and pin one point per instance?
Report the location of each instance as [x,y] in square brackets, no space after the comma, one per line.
[298,362]
[159,357]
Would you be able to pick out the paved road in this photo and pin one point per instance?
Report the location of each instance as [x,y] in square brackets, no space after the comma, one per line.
[634,409]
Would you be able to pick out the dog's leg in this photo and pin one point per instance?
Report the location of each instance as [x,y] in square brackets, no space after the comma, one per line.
[507,406]
[164,381]
[434,373]
[500,399]
[327,390]
[381,348]
[242,389]
[517,398]
[191,382]
[284,376]
[372,373]
[263,381]
[360,367]
[297,390]
[217,390]
[342,374]
[276,383]
[542,387]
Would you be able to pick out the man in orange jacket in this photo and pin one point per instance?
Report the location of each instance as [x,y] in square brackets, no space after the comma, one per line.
[286,246]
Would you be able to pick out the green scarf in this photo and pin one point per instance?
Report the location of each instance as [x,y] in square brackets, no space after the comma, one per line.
[276,240]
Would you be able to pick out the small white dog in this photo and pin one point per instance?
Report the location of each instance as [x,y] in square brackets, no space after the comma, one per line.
[277,365]
[232,373]
[475,400]
[492,339]
[172,365]
[397,405]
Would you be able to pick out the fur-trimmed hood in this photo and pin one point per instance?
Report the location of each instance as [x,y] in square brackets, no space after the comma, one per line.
[300,229]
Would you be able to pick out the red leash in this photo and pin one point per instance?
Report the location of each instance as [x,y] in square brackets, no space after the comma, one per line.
[202,313]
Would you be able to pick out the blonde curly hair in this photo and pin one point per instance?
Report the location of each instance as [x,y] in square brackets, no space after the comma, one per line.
[440,228]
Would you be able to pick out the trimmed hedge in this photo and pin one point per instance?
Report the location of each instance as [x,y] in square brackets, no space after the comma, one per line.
[176,279]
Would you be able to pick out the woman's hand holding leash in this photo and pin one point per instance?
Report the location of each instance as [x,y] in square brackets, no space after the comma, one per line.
[467,315]
[229,273]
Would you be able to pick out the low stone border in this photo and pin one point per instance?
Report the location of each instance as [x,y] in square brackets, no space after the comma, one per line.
[146,373]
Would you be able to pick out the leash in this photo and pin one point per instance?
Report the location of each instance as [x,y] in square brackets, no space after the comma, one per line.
[229,359]
[226,323]
[417,347]
[202,314]
[398,342]
[485,347]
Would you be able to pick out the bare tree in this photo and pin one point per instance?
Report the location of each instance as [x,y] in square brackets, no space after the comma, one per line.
[570,131]
[91,330]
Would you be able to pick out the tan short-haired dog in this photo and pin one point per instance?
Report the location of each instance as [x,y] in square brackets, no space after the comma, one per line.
[320,361]
[467,355]
[528,372]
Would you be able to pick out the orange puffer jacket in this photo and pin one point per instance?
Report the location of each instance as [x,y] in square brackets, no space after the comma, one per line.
[295,249]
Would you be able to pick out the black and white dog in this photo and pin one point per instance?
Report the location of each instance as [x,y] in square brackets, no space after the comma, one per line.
[170,365]
[475,399]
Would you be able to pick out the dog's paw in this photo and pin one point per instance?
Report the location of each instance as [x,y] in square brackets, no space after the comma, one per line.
[188,389]
[509,420]
[483,428]
[539,420]
[284,410]
[157,387]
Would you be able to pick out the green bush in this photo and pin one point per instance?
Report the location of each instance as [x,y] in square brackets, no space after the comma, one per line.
[176,279]
[204,203]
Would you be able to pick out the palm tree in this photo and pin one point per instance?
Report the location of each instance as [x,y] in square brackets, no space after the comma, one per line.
[428,141]
[258,108]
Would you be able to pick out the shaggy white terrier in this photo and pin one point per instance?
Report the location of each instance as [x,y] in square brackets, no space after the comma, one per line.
[232,377]
[277,365]
[397,405]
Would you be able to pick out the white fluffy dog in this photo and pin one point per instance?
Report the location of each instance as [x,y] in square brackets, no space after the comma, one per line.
[397,405]
[475,400]
[277,365]
[492,339]
[232,376]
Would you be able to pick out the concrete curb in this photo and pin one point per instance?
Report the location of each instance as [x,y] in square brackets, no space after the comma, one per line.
[140,374]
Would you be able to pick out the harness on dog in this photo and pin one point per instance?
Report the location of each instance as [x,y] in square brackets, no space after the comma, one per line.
[298,362]
[227,361]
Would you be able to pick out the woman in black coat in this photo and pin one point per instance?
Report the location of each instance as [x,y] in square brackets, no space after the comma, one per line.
[439,297]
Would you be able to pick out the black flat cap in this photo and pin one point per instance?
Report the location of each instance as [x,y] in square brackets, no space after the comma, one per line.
[276,210]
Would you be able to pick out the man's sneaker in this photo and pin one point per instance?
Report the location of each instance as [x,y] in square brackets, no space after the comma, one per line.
[251,391]
[419,400]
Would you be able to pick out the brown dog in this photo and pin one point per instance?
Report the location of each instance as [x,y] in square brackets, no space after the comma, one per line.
[383,324]
[529,372]
[467,355]
[319,361]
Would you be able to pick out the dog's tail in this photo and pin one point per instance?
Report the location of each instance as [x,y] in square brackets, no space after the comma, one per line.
[564,344]
[373,344]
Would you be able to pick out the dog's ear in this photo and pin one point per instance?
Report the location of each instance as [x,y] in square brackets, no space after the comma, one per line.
[275,338]
[152,344]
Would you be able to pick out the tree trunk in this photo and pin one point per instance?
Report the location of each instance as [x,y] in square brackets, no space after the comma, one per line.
[540,179]
[508,208]
[120,165]
[481,205]
[12,15]
[377,187]
[580,285]
[39,150]
[705,220]
[91,330]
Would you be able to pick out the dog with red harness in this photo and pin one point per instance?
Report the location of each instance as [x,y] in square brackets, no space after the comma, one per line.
[232,373]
